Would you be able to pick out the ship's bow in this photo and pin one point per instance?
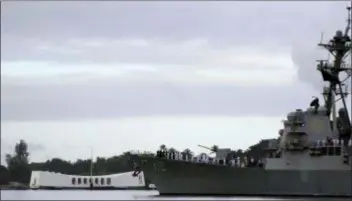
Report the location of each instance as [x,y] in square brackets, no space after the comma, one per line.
[145,164]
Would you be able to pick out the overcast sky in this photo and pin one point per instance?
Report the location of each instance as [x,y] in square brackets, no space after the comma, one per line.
[117,76]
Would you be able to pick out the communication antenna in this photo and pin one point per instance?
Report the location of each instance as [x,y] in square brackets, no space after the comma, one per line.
[321,37]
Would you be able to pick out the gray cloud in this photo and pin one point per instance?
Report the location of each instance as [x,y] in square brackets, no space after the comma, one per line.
[177,20]
[49,31]
[92,101]
[27,25]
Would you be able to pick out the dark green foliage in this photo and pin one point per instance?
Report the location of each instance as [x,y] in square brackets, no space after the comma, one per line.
[187,153]
[17,163]
[4,175]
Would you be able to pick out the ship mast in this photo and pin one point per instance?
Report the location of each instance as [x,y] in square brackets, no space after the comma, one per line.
[349,21]
[338,47]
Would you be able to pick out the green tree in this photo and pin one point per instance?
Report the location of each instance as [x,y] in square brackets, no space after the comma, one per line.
[163,147]
[187,152]
[172,150]
[4,175]
[17,163]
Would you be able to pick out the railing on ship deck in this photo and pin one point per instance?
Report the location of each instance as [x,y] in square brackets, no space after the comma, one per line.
[320,148]
[236,162]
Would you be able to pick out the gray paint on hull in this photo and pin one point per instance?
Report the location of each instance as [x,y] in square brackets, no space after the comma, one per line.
[172,177]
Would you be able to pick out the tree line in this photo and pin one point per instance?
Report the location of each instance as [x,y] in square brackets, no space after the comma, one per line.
[19,167]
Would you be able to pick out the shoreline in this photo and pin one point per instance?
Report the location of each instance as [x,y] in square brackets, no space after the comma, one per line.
[14,186]
[74,188]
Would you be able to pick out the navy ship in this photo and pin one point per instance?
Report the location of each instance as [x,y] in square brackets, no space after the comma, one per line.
[310,157]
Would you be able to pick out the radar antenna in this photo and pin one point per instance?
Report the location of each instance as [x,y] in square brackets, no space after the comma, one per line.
[338,47]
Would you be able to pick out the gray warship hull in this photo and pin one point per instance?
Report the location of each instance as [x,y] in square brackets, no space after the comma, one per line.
[173,177]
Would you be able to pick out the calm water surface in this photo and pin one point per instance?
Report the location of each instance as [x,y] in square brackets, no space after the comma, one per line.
[111,195]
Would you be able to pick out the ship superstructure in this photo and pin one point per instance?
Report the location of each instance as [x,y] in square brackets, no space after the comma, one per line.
[311,156]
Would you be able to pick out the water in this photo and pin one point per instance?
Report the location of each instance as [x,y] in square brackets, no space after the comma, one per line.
[112,195]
